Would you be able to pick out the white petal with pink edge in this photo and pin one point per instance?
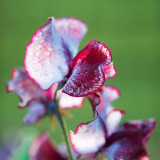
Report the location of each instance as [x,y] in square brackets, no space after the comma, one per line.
[45,58]
[25,87]
[66,101]
[88,138]
[72,31]
[112,120]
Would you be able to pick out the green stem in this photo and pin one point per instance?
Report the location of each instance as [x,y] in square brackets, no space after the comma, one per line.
[65,132]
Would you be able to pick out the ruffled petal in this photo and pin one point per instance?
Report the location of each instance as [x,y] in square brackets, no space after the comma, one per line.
[110,116]
[129,142]
[66,101]
[35,112]
[146,127]
[25,87]
[109,71]
[107,95]
[87,75]
[88,137]
[46,58]
[42,149]
[101,103]
[72,31]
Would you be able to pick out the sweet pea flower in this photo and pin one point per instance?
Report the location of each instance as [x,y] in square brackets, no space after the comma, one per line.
[103,135]
[40,102]
[51,58]
[90,137]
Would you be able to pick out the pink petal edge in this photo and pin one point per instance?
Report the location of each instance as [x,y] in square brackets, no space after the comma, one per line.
[87,75]
[112,120]
[45,60]
[109,71]
[24,87]
[72,30]
[88,137]
[85,138]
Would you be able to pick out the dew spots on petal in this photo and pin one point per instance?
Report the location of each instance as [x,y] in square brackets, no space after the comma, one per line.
[87,73]
[85,81]
[88,137]
[45,54]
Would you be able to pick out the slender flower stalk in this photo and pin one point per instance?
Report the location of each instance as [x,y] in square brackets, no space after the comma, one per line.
[65,132]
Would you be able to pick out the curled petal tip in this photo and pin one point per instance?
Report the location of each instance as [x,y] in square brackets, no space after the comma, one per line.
[109,70]
[87,75]
[45,59]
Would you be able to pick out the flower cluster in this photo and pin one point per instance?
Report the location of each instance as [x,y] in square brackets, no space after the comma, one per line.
[56,77]
[103,134]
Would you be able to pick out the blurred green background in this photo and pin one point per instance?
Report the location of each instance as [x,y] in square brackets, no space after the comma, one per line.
[129,28]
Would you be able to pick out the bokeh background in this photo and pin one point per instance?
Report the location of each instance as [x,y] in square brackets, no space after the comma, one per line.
[131,29]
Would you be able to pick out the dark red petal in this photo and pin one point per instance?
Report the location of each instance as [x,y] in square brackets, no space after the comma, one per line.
[65,101]
[46,56]
[146,127]
[129,142]
[87,75]
[72,31]
[25,87]
[42,149]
